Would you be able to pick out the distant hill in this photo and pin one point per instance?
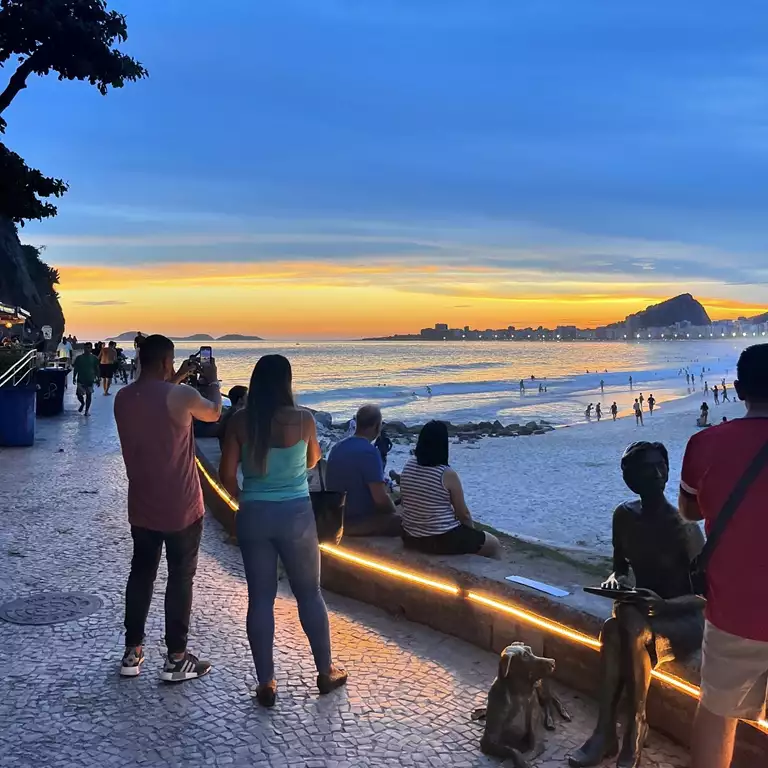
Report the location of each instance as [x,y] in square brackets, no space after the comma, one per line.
[131,335]
[759,318]
[238,337]
[675,310]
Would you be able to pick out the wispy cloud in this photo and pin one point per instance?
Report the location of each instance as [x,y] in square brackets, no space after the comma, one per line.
[107,303]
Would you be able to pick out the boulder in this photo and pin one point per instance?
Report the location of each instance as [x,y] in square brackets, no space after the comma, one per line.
[497,426]
[324,418]
[526,430]
[397,427]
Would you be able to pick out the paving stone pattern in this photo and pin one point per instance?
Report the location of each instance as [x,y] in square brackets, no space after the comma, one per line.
[64,529]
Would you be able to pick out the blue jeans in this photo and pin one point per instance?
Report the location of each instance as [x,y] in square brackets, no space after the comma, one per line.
[267,530]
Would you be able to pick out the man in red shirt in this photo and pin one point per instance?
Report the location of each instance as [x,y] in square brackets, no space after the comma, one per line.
[734,674]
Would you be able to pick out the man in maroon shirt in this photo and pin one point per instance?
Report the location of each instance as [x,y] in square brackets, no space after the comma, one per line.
[165,502]
[734,675]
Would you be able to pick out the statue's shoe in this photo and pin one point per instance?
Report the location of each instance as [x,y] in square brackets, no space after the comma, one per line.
[632,746]
[597,748]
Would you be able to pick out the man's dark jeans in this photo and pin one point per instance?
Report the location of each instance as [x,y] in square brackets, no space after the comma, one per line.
[181,550]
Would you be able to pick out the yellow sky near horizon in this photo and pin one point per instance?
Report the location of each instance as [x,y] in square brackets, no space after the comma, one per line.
[323,300]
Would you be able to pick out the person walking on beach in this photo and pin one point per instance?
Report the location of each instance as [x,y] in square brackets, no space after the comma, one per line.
[275,442]
[599,411]
[726,467]
[522,385]
[107,362]
[706,387]
[716,393]
[725,393]
[165,502]
[651,402]
[588,412]
[641,399]
[602,385]
[384,445]
[614,410]
[638,412]
[85,371]
[630,382]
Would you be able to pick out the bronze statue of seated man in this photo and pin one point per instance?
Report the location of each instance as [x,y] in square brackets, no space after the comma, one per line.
[665,621]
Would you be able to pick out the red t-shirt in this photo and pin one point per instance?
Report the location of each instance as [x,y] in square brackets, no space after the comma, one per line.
[737,574]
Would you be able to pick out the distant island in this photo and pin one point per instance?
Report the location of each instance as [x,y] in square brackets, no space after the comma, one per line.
[681,317]
[131,335]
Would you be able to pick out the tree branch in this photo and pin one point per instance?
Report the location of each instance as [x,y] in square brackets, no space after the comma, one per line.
[17,83]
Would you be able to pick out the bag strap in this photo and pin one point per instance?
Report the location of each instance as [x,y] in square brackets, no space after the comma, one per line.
[733,503]
[320,465]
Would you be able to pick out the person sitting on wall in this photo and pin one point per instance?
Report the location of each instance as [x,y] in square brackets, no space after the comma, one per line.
[355,468]
[238,397]
[436,519]
[663,621]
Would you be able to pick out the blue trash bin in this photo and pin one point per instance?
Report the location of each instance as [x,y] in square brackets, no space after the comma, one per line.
[17,416]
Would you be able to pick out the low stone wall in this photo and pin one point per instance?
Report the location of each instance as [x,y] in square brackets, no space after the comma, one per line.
[492,628]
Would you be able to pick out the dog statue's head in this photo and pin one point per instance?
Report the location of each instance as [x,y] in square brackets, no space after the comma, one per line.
[519,664]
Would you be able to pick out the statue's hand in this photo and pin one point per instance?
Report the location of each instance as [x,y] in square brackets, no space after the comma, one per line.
[616,582]
[648,601]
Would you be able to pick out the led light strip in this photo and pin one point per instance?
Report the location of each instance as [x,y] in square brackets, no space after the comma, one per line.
[533,619]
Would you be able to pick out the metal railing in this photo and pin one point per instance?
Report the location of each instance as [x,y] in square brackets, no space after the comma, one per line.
[21,371]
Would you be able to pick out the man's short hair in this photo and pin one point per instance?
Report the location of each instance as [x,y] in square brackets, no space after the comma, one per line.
[154,349]
[368,416]
[752,372]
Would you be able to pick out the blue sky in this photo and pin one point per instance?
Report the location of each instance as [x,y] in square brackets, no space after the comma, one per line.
[536,136]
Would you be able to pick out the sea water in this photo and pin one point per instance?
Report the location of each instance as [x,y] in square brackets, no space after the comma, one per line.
[480,381]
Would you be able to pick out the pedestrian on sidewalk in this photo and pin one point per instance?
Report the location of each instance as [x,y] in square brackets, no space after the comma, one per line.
[165,502]
[275,442]
[107,363]
[724,482]
[85,371]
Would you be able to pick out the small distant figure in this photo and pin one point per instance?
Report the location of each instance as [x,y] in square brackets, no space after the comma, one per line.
[641,399]
[614,411]
[588,412]
[630,382]
[541,387]
[384,446]
[651,403]
[545,389]
[716,393]
[703,420]
[599,411]
[706,387]
[725,393]
[687,379]
[638,412]
[701,375]
[724,420]
[602,385]
[522,385]
[429,391]
[413,394]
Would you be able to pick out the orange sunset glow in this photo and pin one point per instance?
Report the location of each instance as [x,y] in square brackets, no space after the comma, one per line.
[326,300]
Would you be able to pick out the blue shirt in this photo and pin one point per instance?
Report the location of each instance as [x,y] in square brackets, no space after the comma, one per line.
[352,465]
[285,478]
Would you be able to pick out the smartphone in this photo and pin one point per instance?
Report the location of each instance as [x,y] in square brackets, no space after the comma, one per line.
[206,355]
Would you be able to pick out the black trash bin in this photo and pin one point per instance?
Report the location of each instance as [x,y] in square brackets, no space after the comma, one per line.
[50,396]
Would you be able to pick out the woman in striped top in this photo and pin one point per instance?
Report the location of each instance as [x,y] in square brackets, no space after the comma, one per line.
[435,516]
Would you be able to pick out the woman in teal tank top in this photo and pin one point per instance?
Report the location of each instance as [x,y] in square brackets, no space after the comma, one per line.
[275,443]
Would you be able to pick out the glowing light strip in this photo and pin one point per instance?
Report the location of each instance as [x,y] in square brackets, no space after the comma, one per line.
[374,565]
[530,618]
[537,621]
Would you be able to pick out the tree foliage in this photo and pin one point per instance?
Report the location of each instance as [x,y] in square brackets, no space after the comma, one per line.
[42,274]
[21,188]
[74,38]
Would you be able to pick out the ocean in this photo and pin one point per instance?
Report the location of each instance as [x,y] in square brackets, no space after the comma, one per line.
[479,381]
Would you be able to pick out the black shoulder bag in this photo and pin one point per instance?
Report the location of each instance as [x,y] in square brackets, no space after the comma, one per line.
[328,507]
[699,564]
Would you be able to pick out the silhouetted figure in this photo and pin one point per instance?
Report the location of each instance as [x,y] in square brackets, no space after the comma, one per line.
[614,411]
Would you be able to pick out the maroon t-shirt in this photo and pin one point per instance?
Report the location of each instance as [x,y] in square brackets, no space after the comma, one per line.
[737,574]
[164,491]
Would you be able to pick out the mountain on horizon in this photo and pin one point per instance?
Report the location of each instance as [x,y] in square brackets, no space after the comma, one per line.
[678,309]
[131,335]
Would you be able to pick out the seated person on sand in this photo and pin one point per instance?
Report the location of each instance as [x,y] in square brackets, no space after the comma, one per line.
[435,516]
[355,467]
[238,397]
[665,621]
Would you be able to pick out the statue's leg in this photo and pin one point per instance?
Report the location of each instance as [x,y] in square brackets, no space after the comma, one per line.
[636,635]
[603,742]
[550,703]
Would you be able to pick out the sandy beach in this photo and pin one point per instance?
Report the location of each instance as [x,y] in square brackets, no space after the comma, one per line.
[561,488]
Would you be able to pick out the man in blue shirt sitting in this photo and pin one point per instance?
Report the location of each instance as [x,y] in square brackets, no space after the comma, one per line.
[355,467]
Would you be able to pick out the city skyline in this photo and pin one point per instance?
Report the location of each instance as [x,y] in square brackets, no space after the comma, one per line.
[329,170]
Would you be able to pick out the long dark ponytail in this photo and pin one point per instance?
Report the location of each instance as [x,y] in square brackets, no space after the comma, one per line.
[269,391]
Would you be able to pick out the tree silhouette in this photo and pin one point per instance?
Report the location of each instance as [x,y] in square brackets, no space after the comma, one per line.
[74,38]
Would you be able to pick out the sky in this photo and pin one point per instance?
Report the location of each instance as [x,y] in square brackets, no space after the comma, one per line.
[338,168]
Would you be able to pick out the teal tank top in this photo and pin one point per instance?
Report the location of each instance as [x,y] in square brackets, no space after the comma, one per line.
[285,478]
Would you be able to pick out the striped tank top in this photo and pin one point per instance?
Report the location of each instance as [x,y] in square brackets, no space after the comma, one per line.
[426,503]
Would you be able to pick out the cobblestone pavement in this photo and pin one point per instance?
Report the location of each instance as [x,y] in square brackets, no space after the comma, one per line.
[62,703]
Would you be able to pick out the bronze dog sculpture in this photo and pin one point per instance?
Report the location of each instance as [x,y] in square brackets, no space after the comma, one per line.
[520,705]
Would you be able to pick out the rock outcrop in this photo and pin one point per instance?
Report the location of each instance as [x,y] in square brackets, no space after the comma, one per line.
[26,282]
[680,309]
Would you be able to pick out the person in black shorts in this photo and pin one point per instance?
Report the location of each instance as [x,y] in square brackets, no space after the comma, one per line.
[435,516]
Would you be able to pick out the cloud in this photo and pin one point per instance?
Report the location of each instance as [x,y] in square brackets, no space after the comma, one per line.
[107,303]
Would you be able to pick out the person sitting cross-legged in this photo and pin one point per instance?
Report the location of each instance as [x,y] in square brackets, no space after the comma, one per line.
[436,519]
